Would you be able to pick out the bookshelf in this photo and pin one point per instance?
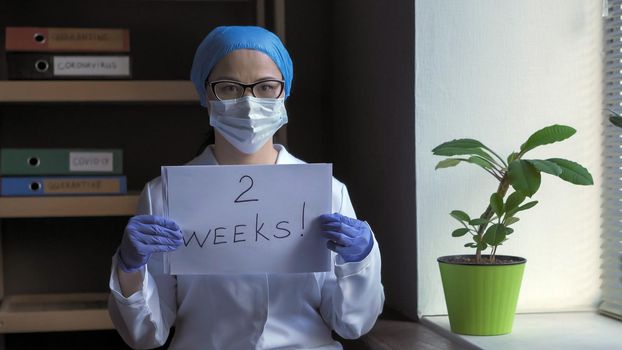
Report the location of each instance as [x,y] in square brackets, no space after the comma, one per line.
[54,312]
[55,251]
[67,206]
[174,91]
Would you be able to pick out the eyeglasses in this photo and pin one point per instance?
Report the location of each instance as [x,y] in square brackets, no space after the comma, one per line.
[228,89]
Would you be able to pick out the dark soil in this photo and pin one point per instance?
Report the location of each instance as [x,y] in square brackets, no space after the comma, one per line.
[471,260]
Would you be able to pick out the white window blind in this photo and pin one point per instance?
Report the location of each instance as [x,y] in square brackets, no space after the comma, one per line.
[612,191]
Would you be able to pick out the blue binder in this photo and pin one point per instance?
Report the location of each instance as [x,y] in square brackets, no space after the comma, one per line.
[62,185]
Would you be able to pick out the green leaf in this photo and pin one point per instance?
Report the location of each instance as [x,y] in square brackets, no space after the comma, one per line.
[480,161]
[470,245]
[447,163]
[482,245]
[461,147]
[617,121]
[459,143]
[511,220]
[527,205]
[512,157]
[496,203]
[514,200]
[616,118]
[460,215]
[451,162]
[573,172]
[545,166]
[456,151]
[495,234]
[524,177]
[508,231]
[460,232]
[478,221]
[547,135]
[524,207]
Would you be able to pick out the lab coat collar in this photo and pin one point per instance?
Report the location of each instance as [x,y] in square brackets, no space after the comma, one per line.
[207,157]
[285,157]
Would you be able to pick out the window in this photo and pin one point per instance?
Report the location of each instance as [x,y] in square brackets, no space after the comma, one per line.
[612,162]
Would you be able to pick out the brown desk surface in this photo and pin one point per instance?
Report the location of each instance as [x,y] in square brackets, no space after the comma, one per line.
[396,332]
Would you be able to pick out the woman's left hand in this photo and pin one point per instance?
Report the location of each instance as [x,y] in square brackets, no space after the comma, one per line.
[348,237]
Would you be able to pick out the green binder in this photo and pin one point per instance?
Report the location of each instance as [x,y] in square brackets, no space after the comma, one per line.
[54,161]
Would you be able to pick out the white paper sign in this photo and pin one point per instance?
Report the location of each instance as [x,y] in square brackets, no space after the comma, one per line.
[248,219]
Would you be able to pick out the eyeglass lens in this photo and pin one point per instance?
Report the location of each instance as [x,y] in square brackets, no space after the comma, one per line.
[226,90]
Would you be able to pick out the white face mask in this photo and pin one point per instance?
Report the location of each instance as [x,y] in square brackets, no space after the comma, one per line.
[247,122]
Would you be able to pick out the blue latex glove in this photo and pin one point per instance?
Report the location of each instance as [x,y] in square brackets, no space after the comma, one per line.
[144,235]
[350,238]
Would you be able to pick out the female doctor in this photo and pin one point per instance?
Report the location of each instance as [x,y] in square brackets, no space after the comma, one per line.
[243,76]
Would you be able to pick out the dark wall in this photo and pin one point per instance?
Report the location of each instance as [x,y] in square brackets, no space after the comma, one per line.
[309,37]
[362,52]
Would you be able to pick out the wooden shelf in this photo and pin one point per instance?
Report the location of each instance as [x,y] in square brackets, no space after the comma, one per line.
[54,312]
[98,91]
[71,206]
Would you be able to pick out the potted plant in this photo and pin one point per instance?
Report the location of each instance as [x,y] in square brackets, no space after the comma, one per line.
[481,290]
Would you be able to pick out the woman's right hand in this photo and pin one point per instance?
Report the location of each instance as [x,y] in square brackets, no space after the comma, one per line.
[144,235]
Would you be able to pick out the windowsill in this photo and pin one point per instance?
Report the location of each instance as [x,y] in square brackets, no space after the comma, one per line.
[567,330]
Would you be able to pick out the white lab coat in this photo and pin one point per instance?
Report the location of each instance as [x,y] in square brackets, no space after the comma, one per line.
[255,311]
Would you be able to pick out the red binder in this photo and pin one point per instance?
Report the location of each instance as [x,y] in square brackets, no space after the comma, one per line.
[30,39]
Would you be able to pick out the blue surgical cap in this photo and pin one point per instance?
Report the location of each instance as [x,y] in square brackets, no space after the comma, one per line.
[223,40]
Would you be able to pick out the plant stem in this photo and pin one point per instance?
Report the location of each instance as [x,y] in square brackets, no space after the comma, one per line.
[491,172]
[498,157]
[493,251]
[504,184]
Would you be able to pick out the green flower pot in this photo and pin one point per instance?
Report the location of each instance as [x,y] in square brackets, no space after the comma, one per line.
[481,298]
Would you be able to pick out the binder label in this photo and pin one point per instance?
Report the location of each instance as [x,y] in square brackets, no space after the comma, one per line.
[91,161]
[69,38]
[29,39]
[91,65]
[62,186]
